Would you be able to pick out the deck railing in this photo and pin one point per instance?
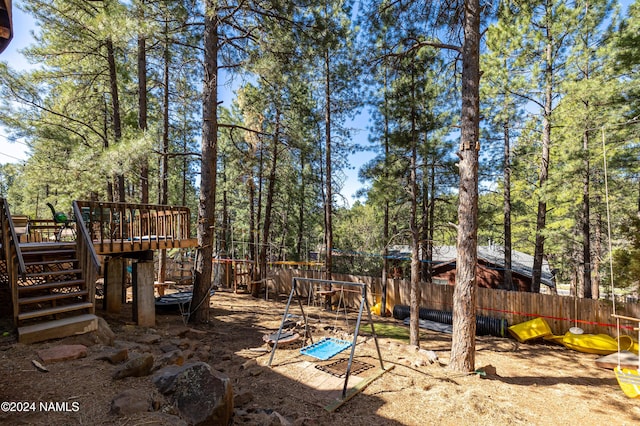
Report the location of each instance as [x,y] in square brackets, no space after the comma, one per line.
[11,252]
[43,230]
[125,226]
[87,257]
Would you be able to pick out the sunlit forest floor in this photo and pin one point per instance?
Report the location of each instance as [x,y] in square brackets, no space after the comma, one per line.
[536,383]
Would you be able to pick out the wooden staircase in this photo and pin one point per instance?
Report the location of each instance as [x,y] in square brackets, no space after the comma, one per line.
[53,298]
[51,284]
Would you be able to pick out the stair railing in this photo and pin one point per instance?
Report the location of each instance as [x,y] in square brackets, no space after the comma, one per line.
[87,257]
[12,253]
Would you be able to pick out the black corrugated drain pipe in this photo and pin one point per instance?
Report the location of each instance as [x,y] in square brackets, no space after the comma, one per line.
[484,325]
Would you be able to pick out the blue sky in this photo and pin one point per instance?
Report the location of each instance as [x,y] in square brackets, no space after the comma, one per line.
[23,24]
[12,152]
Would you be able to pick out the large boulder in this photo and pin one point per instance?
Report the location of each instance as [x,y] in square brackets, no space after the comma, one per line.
[202,395]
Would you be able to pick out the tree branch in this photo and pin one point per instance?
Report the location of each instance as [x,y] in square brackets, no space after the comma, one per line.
[246,129]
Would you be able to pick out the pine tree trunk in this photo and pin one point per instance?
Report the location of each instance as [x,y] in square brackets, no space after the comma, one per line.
[105,132]
[414,301]
[508,275]
[385,226]
[597,258]
[251,241]
[164,158]
[432,216]
[163,196]
[385,259]
[541,219]
[255,291]
[255,253]
[425,276]
[142,105]
[301,208]
[465,292]
[115,105]
[586,226]
[224,244]
[207,201]
[328,203]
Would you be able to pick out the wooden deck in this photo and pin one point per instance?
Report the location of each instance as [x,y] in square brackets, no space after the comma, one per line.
[106,247]
[115,228]
[125,228]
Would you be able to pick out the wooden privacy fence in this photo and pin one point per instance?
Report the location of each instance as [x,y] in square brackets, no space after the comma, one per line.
[561,312]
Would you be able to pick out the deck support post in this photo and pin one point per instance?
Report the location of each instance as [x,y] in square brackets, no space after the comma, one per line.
[144,307]
[114,283]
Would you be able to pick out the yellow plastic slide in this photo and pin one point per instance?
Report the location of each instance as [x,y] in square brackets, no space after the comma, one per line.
[602,344]
[530,330]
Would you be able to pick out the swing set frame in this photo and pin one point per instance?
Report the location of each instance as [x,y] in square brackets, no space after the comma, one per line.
[331,347]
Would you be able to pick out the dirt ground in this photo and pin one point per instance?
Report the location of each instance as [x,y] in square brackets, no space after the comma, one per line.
[527,384]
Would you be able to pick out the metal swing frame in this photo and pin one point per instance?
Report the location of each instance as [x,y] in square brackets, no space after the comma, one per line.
[363,303]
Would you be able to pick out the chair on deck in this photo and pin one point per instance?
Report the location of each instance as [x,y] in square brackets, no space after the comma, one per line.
[66,226]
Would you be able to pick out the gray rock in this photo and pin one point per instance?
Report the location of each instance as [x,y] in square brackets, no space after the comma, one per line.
[130,402]
[104,334]
[148,339]
[175,357]
[164,378]
[135,367]
[202,395]
[159,418]
[114,356]
[125,344]
[168,347]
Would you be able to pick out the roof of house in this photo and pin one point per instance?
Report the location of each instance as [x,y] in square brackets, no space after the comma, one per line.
[6,24]
[521,263]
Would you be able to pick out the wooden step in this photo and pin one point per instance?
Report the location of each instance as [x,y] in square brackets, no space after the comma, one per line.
[58,328]
[55,310]
[51,297]
[50,262]
[49,285]
[50,253]
[54,273]
[46,246]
